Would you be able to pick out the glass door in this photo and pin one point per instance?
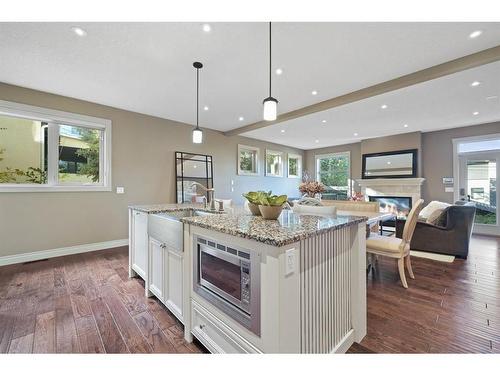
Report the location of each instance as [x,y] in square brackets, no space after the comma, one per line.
[479,184]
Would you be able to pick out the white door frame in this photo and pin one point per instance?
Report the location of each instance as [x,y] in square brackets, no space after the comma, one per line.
[478,228]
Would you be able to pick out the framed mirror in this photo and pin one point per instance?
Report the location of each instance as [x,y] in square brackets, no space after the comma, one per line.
[191,168]
[393,164]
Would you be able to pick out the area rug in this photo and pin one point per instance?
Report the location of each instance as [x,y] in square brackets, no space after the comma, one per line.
[433,256]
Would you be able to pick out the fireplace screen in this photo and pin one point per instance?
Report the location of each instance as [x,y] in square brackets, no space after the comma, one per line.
[400,206]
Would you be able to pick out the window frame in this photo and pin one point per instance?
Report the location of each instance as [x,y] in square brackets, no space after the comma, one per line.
[318,157]
[54,118]
[242,172]
[274,152]
[299,165]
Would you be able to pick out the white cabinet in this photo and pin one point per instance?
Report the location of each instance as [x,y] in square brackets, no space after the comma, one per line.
[165,276]
[138,243]
[173,282]
[156,268]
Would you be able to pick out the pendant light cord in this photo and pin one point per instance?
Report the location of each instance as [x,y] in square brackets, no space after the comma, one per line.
[197,95]
[270,64]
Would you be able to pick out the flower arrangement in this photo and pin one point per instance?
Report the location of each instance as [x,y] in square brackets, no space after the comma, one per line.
[358,197]
[310,187]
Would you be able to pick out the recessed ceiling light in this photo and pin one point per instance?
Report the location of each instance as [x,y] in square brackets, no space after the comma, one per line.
[205,108]
[206,27]
[405,125]
[475,34]
[282,130]
[324,121]
[279,71]
[383,106]
[241,118]
[314,92]
[355,134]
[317,141]
[79,31]
[389,163]
[475,113]
[475,83]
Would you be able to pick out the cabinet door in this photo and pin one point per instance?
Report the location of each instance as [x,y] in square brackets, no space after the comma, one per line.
[156,270]
[140,242]
[174,287]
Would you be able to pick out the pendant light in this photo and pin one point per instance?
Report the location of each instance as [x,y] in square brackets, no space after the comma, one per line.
[197,132]
[270,103]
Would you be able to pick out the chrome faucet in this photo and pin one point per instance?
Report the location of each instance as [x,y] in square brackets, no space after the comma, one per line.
[211,192]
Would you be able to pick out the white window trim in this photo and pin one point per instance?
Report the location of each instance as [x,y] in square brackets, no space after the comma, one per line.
[52,116]
[273,152]
[257,160]
[299,169]
[335,154]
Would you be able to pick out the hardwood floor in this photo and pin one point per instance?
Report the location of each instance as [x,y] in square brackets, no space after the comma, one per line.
[448,308]
[84,303]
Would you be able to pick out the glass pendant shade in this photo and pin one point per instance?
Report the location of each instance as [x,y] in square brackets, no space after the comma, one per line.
[270,109]
[197,135]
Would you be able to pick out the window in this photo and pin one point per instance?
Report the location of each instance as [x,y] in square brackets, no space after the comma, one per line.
[248,160]
[294,166]
[334,171]
[47,150]
[274,163]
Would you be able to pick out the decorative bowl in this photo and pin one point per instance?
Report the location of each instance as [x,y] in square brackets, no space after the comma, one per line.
[254,209]
[270,212]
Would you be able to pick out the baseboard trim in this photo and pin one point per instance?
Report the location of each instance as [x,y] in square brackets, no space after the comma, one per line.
[44,254]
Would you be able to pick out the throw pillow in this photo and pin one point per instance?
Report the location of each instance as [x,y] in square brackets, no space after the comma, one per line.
[431,207]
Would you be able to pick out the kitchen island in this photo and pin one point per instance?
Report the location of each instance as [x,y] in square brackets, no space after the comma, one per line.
[292,285]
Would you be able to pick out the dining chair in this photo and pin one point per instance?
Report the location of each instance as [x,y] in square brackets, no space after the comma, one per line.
[398,248]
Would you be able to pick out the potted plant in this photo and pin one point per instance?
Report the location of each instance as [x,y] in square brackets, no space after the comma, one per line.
[271,206]
[254,199]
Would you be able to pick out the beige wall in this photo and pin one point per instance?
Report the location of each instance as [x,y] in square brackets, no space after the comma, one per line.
[391,143]
[437,157]
[142,162]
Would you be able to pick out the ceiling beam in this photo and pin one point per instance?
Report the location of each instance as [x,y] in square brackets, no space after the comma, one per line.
[450,67]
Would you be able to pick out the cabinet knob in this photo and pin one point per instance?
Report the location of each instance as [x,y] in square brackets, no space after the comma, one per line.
[202,326]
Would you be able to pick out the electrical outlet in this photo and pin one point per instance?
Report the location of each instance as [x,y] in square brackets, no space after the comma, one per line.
[120,190]
[289,261]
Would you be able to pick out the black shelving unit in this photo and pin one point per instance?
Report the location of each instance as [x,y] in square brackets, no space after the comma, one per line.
[206,179]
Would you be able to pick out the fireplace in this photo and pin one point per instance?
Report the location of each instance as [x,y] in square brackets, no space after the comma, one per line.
[400,206]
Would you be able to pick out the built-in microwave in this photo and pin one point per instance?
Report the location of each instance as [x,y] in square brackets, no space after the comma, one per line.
[229,278]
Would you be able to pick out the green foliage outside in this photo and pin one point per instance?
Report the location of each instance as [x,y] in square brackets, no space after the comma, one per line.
[246,161]
[485,217]
[91,168]
[334,172]
[293,167]
[15,175]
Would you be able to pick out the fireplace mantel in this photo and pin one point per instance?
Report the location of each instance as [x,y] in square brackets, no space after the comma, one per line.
[398,187]
[390,182]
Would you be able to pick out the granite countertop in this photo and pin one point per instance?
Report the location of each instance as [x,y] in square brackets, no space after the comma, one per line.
[168,207]
[289,228]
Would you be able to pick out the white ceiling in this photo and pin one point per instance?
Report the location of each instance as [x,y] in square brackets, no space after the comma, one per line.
[147,68]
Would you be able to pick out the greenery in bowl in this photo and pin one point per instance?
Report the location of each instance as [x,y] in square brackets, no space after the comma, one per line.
[264,198]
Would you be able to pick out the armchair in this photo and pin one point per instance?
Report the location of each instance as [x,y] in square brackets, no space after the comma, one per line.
[451,236]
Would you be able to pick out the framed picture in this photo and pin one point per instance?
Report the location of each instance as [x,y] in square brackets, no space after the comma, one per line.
[248,160]
[274,163]
[294,166]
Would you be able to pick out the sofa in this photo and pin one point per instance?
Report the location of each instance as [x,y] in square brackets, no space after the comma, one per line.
[449,235]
